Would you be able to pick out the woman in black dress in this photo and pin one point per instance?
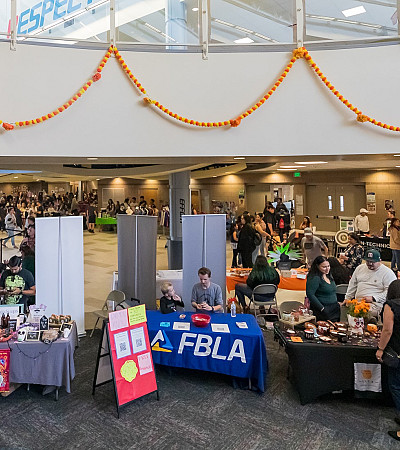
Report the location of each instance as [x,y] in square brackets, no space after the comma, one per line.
[91,217]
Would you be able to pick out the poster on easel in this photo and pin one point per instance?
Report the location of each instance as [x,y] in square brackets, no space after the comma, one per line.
[125,356]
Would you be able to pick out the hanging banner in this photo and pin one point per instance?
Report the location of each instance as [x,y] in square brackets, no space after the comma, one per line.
[367,377]
[5,370]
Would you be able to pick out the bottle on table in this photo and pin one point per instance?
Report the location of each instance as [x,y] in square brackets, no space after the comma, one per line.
[3,321]
[8,320]
[233,309]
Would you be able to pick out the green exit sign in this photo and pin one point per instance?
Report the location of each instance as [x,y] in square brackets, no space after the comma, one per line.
[297,174]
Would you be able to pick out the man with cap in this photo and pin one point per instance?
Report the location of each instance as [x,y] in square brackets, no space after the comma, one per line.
[312,246]
[371,281]
[361,222]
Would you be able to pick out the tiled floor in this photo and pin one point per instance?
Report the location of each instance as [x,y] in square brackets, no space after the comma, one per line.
[101,260]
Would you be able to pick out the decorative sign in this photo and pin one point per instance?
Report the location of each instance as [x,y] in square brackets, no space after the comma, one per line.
[131,363]
[12,310]
[371,203]
[32,335]
[137,314]
[4,370]
[44,323]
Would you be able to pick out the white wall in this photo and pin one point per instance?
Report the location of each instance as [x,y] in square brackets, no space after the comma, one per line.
[302,117]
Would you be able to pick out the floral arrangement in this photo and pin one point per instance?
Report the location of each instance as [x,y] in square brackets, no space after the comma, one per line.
[358,308]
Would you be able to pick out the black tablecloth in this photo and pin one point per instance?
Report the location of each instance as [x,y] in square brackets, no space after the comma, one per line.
[319,368]
[381,243]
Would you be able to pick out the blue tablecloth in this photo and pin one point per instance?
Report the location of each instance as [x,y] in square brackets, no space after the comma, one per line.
[240,353]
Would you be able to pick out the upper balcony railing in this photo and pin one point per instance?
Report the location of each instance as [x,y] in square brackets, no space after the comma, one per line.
[200,25]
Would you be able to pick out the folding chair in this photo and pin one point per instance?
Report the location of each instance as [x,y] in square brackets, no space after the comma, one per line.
[341,290]
[117,297]
[288,306]
[259,291]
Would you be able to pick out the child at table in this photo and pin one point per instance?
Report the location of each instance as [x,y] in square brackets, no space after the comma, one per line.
[169,301]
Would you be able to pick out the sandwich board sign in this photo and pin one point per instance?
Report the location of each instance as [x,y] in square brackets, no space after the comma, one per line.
[124,356]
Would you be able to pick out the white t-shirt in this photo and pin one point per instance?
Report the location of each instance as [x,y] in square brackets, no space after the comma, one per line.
[366,282]
[361,223]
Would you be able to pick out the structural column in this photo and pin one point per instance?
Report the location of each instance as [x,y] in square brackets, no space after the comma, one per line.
[175,22]
[179,205]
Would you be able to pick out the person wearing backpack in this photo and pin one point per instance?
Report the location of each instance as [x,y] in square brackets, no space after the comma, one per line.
[246,245]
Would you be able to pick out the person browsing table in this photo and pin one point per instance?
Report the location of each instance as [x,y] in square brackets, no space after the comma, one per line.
[321,290]
[390,338]
[16,283]
[207,296]
[371,281]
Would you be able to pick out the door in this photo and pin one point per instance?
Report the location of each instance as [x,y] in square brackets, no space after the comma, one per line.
[149,193]
[325,203]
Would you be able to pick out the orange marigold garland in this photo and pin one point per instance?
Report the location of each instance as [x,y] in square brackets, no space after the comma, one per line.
[73,99]
[360,117]
[298,53]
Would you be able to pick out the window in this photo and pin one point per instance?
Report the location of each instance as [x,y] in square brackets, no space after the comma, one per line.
[341,203]
[330,202]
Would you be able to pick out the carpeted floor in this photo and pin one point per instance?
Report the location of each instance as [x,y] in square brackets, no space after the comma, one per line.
[196,411]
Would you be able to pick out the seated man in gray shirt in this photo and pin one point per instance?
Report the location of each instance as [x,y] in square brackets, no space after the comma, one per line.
[207,296]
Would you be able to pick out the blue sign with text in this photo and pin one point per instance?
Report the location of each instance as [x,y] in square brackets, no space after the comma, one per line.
[47,11]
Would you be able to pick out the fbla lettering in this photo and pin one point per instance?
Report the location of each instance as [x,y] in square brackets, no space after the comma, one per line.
[46,11]
[203,346]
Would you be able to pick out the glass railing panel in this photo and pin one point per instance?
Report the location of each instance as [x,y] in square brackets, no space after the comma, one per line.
[343,20]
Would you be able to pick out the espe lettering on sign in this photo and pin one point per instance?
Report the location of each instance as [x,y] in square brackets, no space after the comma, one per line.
[47,11]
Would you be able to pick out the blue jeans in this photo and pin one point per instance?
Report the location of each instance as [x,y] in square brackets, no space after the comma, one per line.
[394,386]
[242,291]
[395,260]
[10,235]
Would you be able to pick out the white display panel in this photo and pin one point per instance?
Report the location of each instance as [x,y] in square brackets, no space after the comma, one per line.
[47,263]
[72,270]
[59,267]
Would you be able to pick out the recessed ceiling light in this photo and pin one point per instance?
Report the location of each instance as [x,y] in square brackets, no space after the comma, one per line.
[397,166]
[292,167]
[396,155]
[354,11]
[214,176]
[289,170]
[195,9]
[311,162]
[15,177]
[37,180]
[97,179]
[92,159]
[245,40]
[242,157]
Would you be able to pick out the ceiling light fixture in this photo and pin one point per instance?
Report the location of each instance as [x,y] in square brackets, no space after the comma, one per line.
[396,155]
[245,40]
[354,11]
[92,159]
[214,176]
[289,170]
[195,9]
[291,167]
[397,166]
[239,157]
[311,162]
[15,177]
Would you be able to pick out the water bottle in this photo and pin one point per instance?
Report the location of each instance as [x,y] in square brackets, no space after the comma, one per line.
[233,309]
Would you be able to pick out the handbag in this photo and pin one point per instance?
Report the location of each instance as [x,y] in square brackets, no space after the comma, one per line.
[390,358]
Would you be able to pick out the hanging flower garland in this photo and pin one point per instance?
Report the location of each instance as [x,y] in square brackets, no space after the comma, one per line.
[298,53]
